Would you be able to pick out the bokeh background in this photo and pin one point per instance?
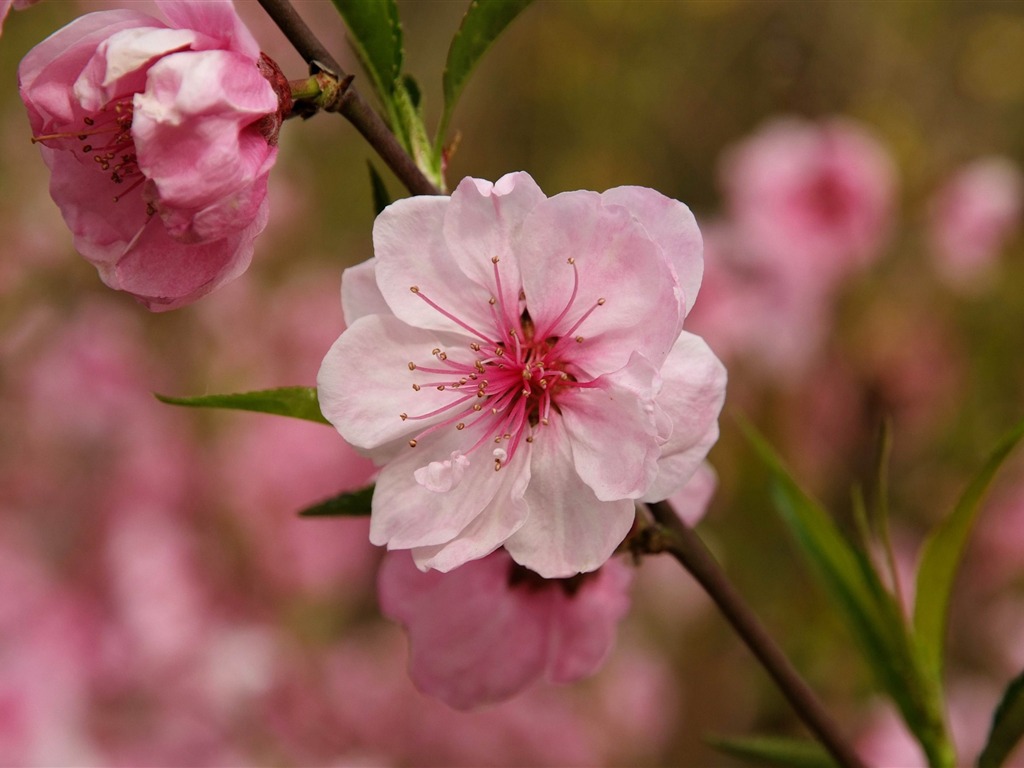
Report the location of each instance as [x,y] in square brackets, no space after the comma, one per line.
[160,603]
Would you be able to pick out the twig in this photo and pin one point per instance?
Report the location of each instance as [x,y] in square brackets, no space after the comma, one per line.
[353,107]
[684,545]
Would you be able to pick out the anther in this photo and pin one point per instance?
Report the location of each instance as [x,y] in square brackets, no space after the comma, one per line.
[570,260]
[412,366]
[494,259]
[579,339]
[474,346]
[414,288]
[435,351]
[416,387]
[88,121]
[477,407]
[440,387]
[403,416]
[529,438]
[497,464]
[545,422]
[412,443]
[460,425]
[600,302]
[492,301]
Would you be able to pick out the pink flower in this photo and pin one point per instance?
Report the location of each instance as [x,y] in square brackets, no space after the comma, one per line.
[159,137]
[972,217]
[517,364]
[489,629]
[819,196]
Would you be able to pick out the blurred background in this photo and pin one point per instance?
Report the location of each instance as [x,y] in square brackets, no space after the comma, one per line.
[855,168]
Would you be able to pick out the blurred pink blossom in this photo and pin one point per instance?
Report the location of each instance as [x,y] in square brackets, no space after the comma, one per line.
[517,364]
[159,137]
[488,629]
[817,196]
[972,217]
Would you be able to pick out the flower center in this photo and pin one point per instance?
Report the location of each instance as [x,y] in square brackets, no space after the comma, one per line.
[107,136]
[515,375]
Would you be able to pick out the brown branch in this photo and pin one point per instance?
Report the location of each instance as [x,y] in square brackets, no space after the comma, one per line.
[676,538]
[353,107]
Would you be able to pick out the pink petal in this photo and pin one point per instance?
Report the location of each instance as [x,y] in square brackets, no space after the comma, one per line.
[164,273]
[406,514]
[616,261]
[672,226]
[119,65]
[568,530]
[584,624]
[194,135]
[613,432]
[692,394]
[692,501]
[48,70]
[365,383]
[217,19]
[483,221]
[359,292]
[492,527]
[472,640]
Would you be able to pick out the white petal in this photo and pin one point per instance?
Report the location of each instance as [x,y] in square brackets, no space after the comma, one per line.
[568,530]
[365,384]
[614,432]
[692,394]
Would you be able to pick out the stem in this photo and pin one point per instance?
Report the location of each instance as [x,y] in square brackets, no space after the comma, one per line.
[353,107]
[686,547]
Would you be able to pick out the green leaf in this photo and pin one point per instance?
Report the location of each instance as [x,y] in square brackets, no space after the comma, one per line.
[296,402]
[381,197]
[483,22]
[941,555]
[765,750]
[348,504]
[414,132]
[869,608]
[1007,726]
[376,35]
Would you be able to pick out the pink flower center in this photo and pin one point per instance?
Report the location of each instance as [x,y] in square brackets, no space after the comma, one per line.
[516,377]
[107,136]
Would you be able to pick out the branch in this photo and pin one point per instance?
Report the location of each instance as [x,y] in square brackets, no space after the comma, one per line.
[353,107]
[684,545]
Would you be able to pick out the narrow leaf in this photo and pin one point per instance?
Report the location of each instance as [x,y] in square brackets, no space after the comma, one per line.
[869,608]
[941,555]
[376,36]
[348,504]
[381,197]
[410,122]
[483,22]
[296,402]
[1007,726]
[764,750]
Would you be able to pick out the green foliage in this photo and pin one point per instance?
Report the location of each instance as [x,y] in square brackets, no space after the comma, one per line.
[1007,726]
[483,22]
[763,750]
[376,35]
[348,504]
[941,557]
[414,132]
[381,197]
[869,608]
[295,402]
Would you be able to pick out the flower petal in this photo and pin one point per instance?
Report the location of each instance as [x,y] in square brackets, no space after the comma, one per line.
[359,292]
[365,382]
[568,530]
[472,640]
[692,394]
[617,262]
[585,623]
[613,431]
[219,20]
[406,514]
[672,226]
